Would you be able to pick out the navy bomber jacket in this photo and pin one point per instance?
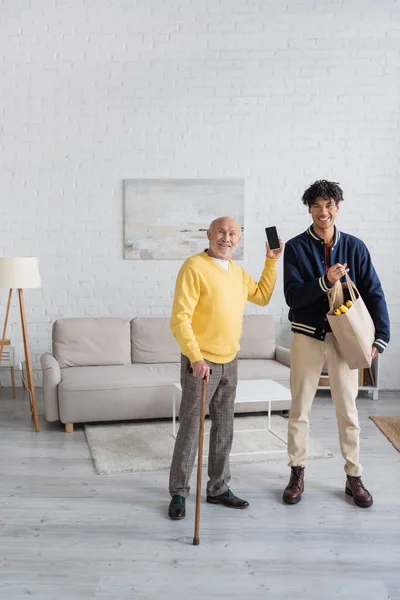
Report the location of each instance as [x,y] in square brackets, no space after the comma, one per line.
[306,283]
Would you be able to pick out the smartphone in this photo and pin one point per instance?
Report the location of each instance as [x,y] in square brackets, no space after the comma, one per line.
[272,238]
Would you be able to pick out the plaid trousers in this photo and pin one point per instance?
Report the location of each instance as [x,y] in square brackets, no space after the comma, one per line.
[221,392]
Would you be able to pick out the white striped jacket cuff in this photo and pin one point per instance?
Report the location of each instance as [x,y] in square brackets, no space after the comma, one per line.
[381,344]
[323,285]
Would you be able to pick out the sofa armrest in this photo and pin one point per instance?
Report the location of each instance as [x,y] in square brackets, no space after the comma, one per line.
[51,379]
[282,355]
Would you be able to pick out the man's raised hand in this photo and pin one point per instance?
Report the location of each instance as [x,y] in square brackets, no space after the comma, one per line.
[274,253]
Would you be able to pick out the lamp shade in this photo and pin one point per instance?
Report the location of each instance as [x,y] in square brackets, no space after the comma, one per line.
[19,273]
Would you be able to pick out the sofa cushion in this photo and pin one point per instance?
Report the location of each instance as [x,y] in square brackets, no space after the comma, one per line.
[117,377]
[153,342]
[258,337]
[80,342]
[263,369]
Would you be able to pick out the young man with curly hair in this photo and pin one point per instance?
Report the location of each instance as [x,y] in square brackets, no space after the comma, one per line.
[313,262]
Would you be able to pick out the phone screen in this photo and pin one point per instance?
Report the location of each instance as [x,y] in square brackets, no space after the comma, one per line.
[272,237]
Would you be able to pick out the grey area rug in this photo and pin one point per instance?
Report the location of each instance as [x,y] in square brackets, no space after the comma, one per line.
[135,447]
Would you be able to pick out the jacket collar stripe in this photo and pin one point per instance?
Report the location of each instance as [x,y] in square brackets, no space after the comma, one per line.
[310,231]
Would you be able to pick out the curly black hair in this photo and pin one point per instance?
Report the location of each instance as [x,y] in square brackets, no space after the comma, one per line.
[329,190]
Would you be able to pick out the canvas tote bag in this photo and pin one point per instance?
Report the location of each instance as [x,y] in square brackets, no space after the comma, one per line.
[353,330]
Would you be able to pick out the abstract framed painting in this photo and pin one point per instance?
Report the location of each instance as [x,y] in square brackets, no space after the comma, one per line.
[169,218]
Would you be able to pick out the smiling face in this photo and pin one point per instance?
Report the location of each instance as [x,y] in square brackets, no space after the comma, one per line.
[224,236]
[323,213]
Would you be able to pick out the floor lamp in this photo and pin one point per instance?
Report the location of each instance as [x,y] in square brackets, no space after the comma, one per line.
[19,274]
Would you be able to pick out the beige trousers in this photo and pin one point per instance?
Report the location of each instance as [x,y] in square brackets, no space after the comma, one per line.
[308,356]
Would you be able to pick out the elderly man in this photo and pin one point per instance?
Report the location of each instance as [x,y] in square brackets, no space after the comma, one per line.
[210,297]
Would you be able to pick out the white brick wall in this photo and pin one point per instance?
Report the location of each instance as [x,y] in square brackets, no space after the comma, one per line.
[278,92]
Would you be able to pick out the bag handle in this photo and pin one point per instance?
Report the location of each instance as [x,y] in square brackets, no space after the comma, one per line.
[351,287]
[335,295]
[332,295]
[337,291]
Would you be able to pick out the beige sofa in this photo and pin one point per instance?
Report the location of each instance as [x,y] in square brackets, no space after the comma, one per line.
[112,368]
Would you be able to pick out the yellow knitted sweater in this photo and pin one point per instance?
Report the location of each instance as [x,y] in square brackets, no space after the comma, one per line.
[209,303]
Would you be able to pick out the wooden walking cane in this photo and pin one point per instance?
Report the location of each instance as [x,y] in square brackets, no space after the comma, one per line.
[196,539]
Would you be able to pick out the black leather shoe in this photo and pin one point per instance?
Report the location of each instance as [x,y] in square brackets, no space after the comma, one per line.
[177,508]
[228,499]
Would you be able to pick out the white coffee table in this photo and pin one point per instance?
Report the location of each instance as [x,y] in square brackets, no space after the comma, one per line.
[257,391]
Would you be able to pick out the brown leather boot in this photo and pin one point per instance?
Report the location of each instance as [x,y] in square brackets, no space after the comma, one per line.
[356,489]
[295,487]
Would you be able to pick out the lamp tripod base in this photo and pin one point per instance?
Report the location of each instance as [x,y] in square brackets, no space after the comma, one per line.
[28,362]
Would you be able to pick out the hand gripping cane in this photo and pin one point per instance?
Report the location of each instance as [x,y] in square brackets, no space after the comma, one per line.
[196,539]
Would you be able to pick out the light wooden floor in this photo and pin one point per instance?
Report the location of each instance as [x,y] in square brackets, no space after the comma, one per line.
[68,533]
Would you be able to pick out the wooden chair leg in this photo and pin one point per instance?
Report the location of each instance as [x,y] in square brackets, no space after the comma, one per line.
[14,390]
[69,428]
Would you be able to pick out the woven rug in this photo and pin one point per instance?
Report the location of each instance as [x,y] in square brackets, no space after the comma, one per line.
[136,447]
[390,427]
